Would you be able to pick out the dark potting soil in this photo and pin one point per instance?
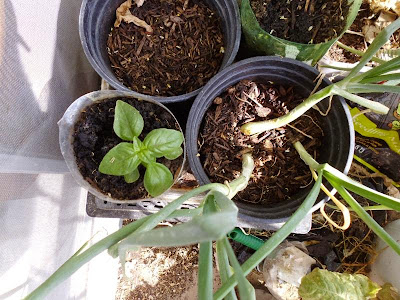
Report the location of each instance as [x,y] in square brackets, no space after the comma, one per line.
[94,137]
[365,16]
[302,21]
[184,51]
[279,172]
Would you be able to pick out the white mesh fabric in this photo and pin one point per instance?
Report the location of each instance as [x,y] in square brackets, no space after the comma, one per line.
[43,70]
[42,216]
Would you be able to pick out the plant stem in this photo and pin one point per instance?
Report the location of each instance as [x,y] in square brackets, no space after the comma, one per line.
[306,157]
[261,126]
[241,182]
[377,107]
[224,267]
[205,273]
[378,42]
[359,53]
[380,232]
[274,240]
[246,290]
[75,262]
[370,207]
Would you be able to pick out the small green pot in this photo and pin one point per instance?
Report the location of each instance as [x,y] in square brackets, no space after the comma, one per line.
[264,43]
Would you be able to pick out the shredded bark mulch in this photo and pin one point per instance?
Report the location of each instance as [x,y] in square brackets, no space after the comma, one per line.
[94,137]
[302,21]
[279,172]
[184,51]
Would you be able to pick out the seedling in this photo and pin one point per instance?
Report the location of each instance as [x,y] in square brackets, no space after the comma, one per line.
[125,158]
[354,83]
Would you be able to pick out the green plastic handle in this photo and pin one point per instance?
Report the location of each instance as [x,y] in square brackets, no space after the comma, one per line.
[248,240]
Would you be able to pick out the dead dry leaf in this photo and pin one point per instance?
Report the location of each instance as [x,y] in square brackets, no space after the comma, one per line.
[121,11]
[124,14]
[139,3]
[263,111]
[373,28]
[385,5]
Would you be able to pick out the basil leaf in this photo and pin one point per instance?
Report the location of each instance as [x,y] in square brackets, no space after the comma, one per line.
[120,160]
[137,144]
[128,123]
[162,141]
[174,153]
[133,176]
[323,284]
[146,157]
[157,179]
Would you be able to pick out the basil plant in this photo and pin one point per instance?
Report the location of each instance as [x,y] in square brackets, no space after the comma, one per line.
[125,158]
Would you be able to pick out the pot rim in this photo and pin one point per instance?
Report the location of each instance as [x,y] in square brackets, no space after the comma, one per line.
[66,127]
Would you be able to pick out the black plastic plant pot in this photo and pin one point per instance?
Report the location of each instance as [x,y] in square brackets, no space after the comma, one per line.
[97,17]
[66,139]
[337,143]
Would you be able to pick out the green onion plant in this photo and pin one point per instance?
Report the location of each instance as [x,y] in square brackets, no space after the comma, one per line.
[380,79]
[343,184]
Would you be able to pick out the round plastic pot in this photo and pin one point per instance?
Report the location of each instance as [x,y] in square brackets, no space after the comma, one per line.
[66,129]
[338,142]
[266,44]
[97,17]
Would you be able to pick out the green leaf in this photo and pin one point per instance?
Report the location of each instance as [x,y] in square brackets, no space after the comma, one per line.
[205,275]
[380,78]
[224,268]
[356,187]
[204,228]
[274,241]
[323,284]
[174,153]
[246,290]
[120,160]
[359,53]
[133,176]
[378,42]
[388,292]
[146,157]
[372,88]
[375,106]
[371,223]
[157,179]
[137,144]
[163,141]
[128,121]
